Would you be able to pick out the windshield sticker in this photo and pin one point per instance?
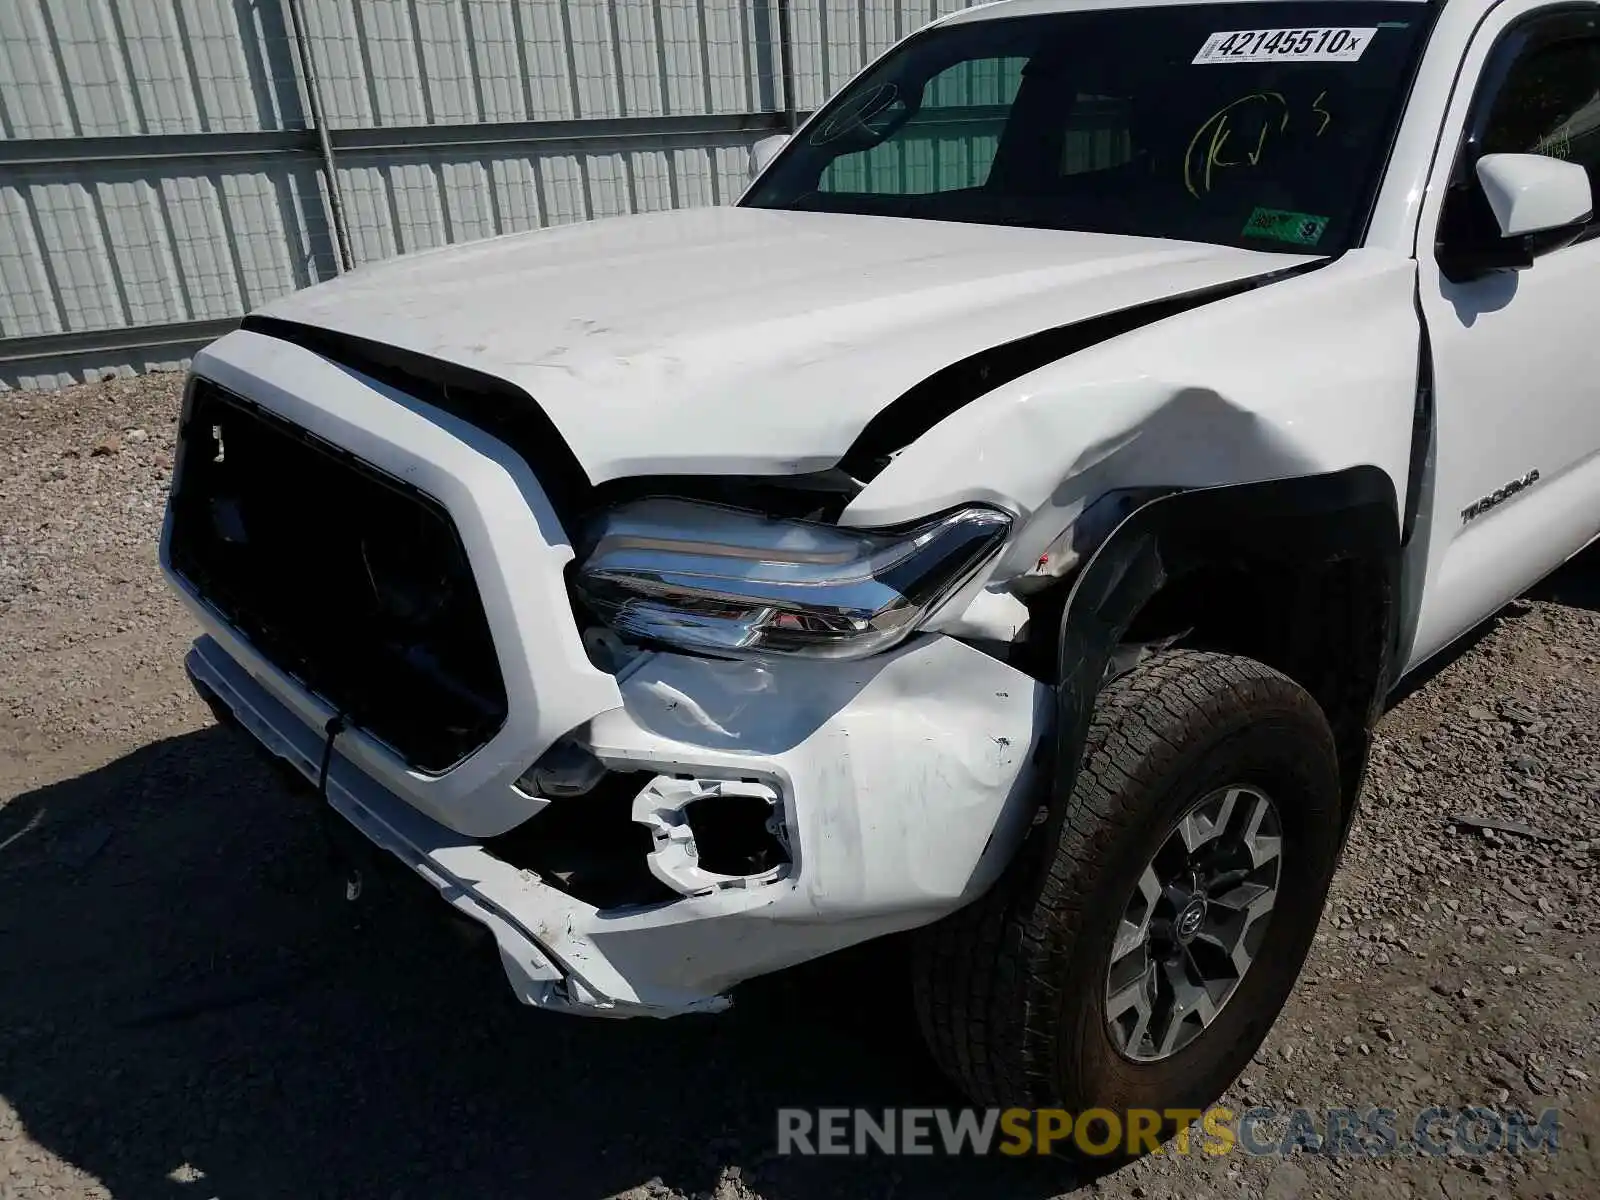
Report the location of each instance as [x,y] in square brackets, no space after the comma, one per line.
[1285,45]
[1303,229]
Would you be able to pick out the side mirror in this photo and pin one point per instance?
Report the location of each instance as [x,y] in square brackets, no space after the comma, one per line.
[764,151]
[1533,193]
[1518,207]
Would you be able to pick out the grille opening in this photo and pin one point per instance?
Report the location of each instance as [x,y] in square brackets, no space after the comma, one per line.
[590,847]
[349,580]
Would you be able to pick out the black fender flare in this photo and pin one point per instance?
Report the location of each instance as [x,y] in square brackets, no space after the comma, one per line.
[1307,520]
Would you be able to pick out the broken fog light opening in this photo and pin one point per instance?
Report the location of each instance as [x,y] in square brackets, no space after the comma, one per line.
[736,833]
[713,834]
[723,581]
[637,840]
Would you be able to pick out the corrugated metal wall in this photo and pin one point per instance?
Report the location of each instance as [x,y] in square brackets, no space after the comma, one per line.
[152,175]
[98,245]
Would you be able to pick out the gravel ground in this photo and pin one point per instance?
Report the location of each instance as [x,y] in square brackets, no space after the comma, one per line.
[187,1009]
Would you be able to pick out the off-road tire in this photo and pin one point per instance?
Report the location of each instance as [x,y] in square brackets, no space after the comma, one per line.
[1010,991]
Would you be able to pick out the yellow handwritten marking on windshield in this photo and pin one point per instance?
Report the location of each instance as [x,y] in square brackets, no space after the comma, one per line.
[1217,127]
[1316,107]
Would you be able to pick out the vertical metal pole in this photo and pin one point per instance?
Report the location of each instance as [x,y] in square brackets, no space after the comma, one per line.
[786,66]
[342,259]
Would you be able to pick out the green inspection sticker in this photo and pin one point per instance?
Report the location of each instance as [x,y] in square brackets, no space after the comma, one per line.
[1303,229]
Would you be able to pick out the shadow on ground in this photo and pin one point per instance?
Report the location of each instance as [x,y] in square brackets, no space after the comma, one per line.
[183,986]
[1575,585]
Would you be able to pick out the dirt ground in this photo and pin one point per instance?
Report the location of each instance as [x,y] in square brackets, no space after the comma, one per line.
[189,1009]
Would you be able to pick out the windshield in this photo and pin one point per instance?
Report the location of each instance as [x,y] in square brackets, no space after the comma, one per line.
[1257,125]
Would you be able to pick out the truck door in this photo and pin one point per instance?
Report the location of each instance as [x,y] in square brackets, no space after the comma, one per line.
[1516,352]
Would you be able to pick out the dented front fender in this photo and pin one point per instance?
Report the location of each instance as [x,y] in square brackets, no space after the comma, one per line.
[1313,374]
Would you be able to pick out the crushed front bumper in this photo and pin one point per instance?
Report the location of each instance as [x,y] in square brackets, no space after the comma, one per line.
[901,784]
[903,802]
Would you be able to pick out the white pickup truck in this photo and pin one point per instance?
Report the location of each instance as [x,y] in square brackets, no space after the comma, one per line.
[1005,522]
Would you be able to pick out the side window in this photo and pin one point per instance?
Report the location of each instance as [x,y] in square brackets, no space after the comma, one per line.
[1550,104]
[1542,96]
[948,145]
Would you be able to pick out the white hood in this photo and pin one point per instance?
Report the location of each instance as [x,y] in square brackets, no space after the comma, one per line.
[728,340]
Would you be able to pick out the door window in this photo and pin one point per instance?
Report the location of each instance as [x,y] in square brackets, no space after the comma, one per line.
[1542,96]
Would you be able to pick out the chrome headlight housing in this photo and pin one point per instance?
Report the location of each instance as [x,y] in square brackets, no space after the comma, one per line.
[724,581]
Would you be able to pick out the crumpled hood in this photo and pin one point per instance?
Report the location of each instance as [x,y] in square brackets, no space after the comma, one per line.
[727,340]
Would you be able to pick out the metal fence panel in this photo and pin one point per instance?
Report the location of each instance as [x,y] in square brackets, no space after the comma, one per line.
[179,187]
[86,68]
[400,205]
[124,245]
[33,97]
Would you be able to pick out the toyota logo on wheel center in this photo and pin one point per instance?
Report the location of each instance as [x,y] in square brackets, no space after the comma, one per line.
[1191,918]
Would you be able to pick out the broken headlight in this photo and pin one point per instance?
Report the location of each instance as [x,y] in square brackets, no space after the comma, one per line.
[724,581]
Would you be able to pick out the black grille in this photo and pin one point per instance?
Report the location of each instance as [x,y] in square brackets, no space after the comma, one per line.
[353,582]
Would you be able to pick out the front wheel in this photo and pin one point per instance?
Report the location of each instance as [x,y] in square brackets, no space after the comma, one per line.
[1139,948]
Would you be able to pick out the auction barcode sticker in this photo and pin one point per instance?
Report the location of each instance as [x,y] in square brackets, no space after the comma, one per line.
[1285,45]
